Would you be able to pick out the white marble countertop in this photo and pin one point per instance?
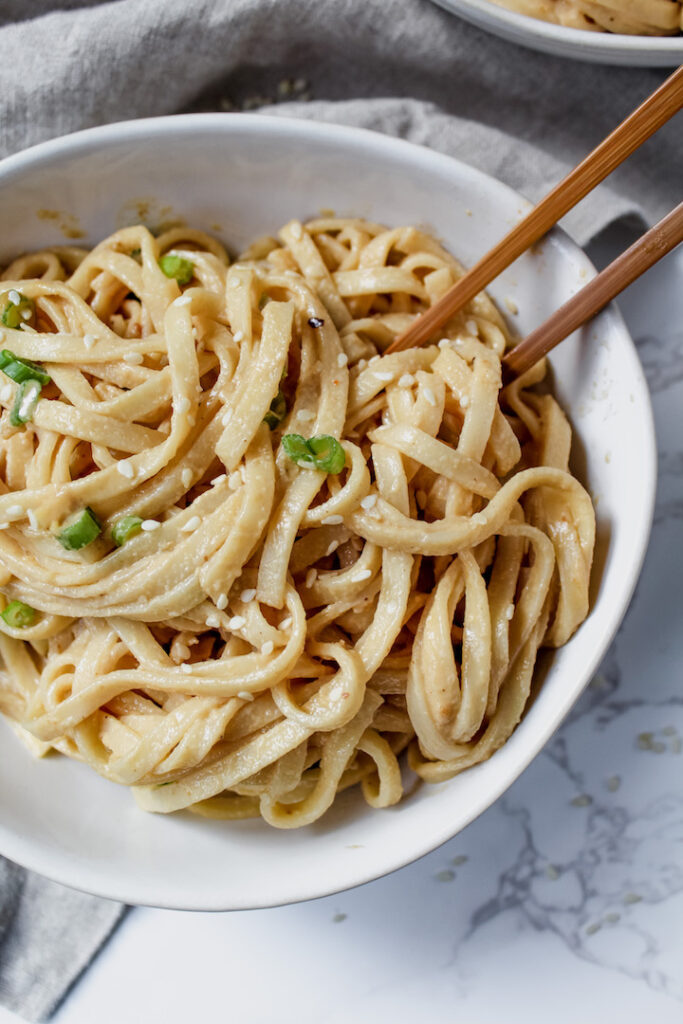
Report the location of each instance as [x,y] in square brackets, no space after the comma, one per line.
[562,903]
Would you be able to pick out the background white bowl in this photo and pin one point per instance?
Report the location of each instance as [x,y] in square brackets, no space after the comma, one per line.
[596,47]
[238,176]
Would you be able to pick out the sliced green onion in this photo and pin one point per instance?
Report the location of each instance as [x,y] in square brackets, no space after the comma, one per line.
[25,402]
[125,528]
[178,267]
[321,452]
[16,308]
[19,615]
[19,370]
[81,532]
[277,411]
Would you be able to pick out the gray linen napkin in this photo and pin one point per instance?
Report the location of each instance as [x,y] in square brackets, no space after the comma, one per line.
[399,66]
[48,936]
[522,116]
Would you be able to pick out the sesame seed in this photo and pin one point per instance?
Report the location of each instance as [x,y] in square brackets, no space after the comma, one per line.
[362,363]
[306,415]
[332,520]
[182,651]
[186,477]
[384,375]
[187,669]
[364,574]
[248,595]
[429,396]
[191,524]
[183,404]
[471,326]
[15,510]
[342,359]
[125,469]
[14,297]
[332,548]
[369,501]
[218,479]
[149,525]
[406,380]
[133,357]
[444,343]
[297,231]
[311,577]
[89,340]
[238,336]
[212,621]
[184,300]
[267,647]
[4,526]
[235,481]
[286,623]
[227,416]
[33,519]
[245,695]
[509,611]
[6,393]
[237,621]
[222,602]
[25,314]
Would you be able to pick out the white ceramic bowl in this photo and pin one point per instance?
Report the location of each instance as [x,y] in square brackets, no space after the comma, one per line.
[239,176]
[596,47]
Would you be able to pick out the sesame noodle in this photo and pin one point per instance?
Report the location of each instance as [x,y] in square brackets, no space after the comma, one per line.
[248,560]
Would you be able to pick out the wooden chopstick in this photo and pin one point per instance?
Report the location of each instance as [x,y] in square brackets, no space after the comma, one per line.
[666,101]
[643,254]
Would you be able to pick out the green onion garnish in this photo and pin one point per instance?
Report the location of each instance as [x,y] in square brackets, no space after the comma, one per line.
[321,452]
[17,309]
[81,532]
[19,615]
[178,267]
[25,402]
[19,370]
[125,528]
[277,411]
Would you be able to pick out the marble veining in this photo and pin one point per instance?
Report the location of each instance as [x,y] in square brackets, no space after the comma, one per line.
[599,815]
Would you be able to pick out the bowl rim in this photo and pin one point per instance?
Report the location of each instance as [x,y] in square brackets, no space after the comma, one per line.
[597,44]
[83,874]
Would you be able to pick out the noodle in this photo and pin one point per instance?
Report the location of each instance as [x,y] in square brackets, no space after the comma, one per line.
[247,559]
[627,17]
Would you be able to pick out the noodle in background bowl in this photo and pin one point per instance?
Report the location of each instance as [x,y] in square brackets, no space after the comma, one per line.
[239,176]
[595,47]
